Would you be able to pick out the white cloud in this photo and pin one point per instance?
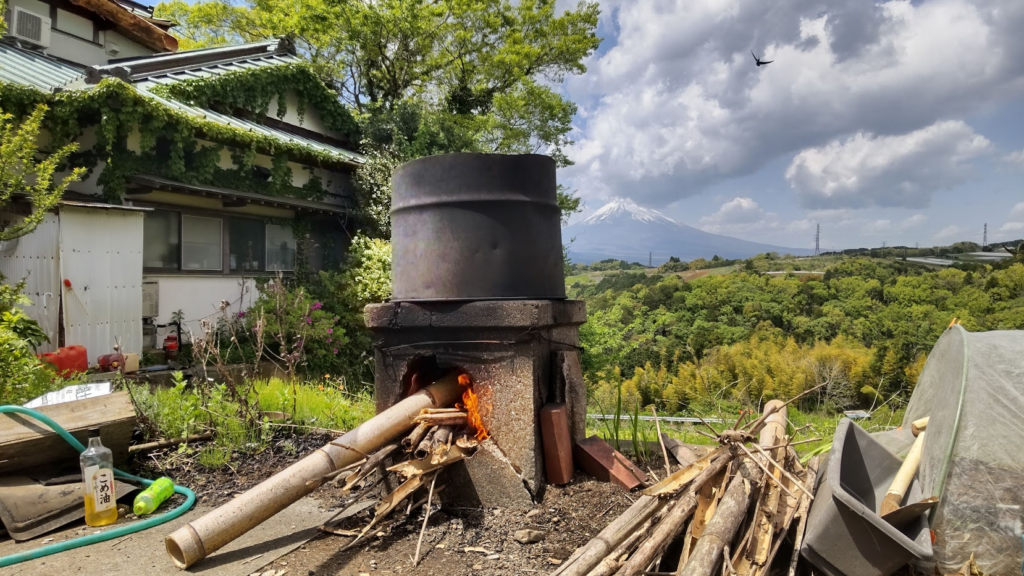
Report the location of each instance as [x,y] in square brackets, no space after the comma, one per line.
[886,226]
[867,170]
[676,103]
[1012,227]
[1017,210]
[1015,158]
[952,233]
[742,215]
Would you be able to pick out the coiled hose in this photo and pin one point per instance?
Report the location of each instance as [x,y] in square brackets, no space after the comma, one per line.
[156,520]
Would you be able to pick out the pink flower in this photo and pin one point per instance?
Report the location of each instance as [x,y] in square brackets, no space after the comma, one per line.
[317,305]
[330,330]
[335,350]
[309,320]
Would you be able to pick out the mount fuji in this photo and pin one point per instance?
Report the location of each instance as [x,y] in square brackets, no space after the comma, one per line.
[625,230]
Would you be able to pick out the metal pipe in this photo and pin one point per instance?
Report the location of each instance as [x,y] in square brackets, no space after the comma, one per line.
[200,538]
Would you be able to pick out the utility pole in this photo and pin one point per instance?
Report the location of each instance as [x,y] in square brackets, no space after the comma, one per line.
[984,236]
[650,259]
[817,241]
[883,244]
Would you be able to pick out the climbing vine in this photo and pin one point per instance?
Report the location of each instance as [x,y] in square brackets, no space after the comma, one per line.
[254,89]
[167,142]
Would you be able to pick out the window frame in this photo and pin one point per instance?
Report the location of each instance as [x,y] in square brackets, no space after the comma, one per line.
[225,220]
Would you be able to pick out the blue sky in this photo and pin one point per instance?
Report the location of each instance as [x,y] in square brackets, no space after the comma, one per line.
[898,122]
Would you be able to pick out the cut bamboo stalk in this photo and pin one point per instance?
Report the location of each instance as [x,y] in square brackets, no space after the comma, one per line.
[721,530]
[440,444]
[423,449]
[168,443]
[613,561]
[673,522]
[588,556]
[410,442]
[805,506]
[898,488]
[918,426]
[209,533]
[446,419]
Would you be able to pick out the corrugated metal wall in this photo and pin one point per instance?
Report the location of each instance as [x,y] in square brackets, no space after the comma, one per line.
[101,255]
[36,255]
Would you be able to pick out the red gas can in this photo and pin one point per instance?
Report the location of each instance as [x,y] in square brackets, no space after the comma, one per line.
[68,360]
[111,362]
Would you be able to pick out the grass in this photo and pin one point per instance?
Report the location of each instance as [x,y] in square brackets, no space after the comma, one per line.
[182,410]
[819,425]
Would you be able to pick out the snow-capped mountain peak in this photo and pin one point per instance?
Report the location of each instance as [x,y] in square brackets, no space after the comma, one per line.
[624,207]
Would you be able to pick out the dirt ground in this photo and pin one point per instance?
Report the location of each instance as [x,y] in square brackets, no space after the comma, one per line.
[567,517]
[474,541]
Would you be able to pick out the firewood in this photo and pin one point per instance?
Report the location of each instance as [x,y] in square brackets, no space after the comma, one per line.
[613,561]
[588,556]
[723,526]
[898,489]
[410,442]
[440,411]
[445,419]
[368,467]
[672,524]
[805,506]
[707,501]
[679,479]
[423,449]
[440,444]
[464,440]
[410,468]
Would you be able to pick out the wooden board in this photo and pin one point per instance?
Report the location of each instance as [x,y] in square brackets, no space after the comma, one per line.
[26,442]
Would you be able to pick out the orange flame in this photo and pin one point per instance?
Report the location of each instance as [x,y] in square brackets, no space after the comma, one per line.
[471,404]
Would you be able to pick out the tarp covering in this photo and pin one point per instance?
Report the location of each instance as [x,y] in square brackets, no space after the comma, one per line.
[972,388]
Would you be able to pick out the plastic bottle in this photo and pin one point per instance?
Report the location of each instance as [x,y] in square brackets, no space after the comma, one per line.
[151,498]
[98,476]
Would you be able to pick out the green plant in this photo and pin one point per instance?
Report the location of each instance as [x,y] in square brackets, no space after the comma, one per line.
[23,176]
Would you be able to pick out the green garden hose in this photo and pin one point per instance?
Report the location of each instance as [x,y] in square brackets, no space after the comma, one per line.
[156,520]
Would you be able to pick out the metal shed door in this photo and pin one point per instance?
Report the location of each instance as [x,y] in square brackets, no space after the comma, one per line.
[34,257]
[101,257]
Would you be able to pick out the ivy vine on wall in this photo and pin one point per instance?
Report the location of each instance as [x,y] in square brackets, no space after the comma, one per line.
[167,142]
[254,89]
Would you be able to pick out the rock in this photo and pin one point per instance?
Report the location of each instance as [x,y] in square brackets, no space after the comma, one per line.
[533,513]
[528,536]
[478,566]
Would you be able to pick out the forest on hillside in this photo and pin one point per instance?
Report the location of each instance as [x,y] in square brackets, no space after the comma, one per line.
[864,328]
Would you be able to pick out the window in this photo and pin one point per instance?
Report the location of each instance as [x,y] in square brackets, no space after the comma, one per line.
[160,246]
[248,244]
[201,243]
[280,248]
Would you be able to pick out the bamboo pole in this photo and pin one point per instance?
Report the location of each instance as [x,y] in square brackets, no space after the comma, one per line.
[203,536]
[592,553]
[735,503]
[805,506]
[898,489]
[168,443]
[673,522]
[918,426]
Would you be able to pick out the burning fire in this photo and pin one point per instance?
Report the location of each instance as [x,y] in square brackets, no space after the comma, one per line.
[471,404]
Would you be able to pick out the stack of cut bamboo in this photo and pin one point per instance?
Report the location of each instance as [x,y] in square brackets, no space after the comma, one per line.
[442,437]
[727,513]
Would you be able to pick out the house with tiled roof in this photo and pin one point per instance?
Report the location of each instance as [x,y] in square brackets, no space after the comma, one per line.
[208,169]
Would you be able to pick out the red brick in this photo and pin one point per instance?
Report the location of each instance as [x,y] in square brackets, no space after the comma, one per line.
[597,458]
[557,441]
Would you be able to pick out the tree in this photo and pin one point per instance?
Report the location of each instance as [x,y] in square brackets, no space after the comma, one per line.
[24,176]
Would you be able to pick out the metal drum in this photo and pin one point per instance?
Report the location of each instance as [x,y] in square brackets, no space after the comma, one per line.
[476,227]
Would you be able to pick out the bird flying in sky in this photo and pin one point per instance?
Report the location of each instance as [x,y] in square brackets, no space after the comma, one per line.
[759,61]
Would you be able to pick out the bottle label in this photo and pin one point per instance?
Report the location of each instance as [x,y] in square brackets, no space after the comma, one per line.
[100,483]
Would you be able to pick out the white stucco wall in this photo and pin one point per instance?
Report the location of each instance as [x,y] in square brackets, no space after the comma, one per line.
[310,121]
[198,297]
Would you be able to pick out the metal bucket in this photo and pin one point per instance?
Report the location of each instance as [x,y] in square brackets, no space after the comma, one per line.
[476,227]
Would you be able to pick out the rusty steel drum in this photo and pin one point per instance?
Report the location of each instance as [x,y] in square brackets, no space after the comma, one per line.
[476,227]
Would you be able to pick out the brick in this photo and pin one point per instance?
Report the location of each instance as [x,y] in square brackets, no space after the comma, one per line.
[557,442]
[597,458]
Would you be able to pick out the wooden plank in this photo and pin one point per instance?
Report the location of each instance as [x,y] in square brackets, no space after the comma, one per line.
[26,442]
